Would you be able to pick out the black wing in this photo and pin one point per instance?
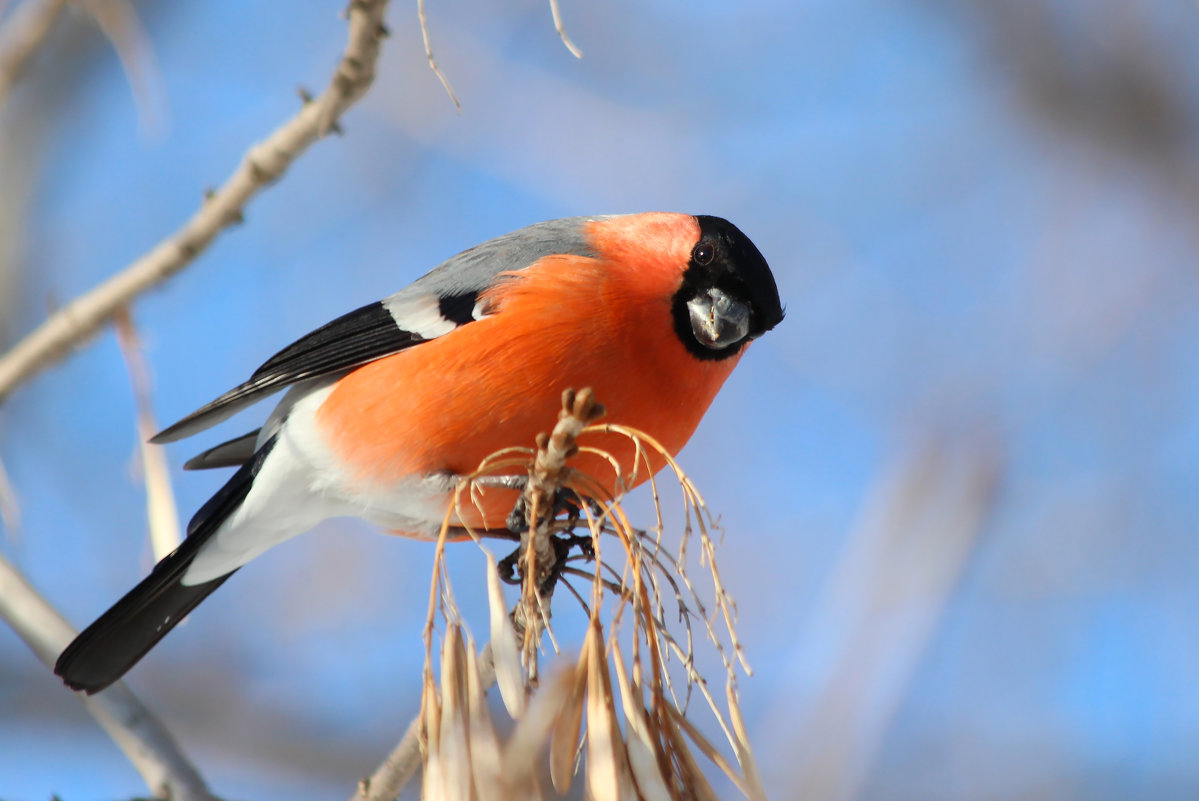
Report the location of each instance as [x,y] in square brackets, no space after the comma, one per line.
[233,453]
[438,302]
[351,340]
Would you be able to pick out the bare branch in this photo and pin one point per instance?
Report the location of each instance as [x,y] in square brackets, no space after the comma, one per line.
[264,163]
[28,27]
[149,746]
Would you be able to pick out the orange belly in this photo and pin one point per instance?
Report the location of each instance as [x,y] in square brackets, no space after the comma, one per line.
[448,403]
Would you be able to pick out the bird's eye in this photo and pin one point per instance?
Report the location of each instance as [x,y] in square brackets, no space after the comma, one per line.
[703,254]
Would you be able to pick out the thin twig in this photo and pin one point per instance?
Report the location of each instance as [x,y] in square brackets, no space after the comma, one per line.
[558,26]
[424,33]
[168,773]
[20,38]
[264,163]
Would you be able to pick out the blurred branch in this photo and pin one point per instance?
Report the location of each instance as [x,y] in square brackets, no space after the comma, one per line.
[880,610]
[162,516]
[28,28]
[118,20]
[263,163]
[149,746]
[1097,73]
[10,508]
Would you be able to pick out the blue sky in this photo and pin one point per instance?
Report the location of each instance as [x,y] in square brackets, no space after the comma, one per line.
[967,269]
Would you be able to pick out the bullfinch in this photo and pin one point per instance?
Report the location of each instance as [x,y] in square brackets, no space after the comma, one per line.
[390,405]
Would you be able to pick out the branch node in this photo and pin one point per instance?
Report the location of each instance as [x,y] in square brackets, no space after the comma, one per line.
[188,249]
[260,173]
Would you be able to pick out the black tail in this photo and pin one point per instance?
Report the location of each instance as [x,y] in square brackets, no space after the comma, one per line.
[108,648]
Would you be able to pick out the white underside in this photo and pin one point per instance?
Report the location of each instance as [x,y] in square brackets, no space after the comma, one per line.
[300,484]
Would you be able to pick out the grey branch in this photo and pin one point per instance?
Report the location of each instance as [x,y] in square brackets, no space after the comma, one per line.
[19,39]
[263,163]
[149,746]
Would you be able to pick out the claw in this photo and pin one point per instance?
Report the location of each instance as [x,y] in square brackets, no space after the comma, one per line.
[566,501]
[509,567]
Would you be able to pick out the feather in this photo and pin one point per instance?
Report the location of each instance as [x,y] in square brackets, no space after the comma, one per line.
[233,453]
[122,635]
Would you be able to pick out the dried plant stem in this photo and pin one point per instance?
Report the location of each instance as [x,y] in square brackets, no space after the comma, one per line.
[263,163]
[20,38]
[162,515]
[548,475]
[647,755]
[402,763]
[149,746]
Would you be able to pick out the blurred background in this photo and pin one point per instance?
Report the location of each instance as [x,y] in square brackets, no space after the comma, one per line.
[957,483]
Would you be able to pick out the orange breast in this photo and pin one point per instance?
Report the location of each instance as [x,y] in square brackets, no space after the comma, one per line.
[566,321]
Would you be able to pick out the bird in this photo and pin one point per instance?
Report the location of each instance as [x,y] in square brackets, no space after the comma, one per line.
[388,406]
